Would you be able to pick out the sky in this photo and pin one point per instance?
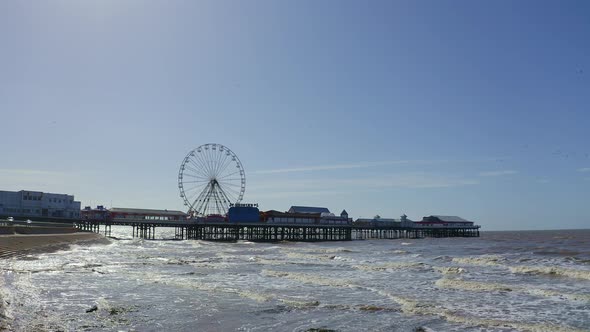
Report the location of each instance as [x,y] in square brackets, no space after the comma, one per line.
[472,108]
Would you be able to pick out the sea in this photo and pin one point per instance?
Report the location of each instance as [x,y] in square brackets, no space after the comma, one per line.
[501,281]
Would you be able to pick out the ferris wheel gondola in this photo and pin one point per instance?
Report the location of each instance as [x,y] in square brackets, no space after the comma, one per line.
[211,177]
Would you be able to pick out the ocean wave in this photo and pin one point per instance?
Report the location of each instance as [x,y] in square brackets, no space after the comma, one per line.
[253,295]
[311,257]
[472,285]
[550,252]
[397,251]
[296,303]
[265,261]
[530,327]
[410,306]
[484,260]
[332,250]
[449,269]
[5,314]
[479,286]
[308,278]
[551,270]
[23,309]
[552,293]
[407,305]
[443,258]
[390,265]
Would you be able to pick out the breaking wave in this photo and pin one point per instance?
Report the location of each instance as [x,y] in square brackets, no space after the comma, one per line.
[472,285]
[410,306]
[391,265]
[309,279]
[485,260]
[552,271]
[479,286]
[449,269]
[310,257]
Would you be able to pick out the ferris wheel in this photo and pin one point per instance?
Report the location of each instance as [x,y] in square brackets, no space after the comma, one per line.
[211,177]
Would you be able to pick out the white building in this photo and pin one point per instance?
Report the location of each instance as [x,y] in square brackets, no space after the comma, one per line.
[35,204]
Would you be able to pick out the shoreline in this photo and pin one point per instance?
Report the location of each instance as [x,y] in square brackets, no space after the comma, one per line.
[22,245]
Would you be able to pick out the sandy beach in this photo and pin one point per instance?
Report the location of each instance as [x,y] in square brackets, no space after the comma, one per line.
[20,245]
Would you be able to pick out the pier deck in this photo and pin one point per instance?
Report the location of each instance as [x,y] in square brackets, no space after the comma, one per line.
[277,232]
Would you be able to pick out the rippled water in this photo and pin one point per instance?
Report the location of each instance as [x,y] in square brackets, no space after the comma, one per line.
[503,281]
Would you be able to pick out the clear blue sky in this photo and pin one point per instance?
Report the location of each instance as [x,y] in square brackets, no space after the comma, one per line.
[470,108]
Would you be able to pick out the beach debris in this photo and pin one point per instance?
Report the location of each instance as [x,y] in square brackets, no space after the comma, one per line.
[92,309]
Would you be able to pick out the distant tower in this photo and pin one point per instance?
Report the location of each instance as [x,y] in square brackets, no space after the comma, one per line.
[344,214]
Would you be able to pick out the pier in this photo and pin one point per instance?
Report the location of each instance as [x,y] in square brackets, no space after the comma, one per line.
[261,232]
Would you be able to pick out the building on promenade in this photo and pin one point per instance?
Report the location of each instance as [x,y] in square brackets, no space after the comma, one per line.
[377,221]
[145,215]
[443,221]
[306,215]
[308,209]
[38,205]
[331,219]
[100,213]
[277,217]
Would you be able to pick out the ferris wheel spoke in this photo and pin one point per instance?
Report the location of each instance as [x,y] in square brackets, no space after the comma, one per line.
[199,159]
[226,163]
[217,202]
[198,196]
[195,185]
[197,168]
[234,179]
[201,203]
[209,160]
[196,177]
[225,176]
[227,196]
[232,191]
[231,169]
[224,195]
[223,162]
[216,160]
[218,156]
[231,184]
[196,161]
[227,160]
[194,173]
[200,190]
[223,200]
[196,181]
[200,165]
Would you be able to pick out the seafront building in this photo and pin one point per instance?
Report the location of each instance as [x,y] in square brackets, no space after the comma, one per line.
[377,221]
[100,213]
[306,215]
[27,204]
[443,221]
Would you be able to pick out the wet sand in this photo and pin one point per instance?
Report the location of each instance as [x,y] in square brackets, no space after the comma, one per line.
[21,245]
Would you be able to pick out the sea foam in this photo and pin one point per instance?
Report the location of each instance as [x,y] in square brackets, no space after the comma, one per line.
[551,270]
